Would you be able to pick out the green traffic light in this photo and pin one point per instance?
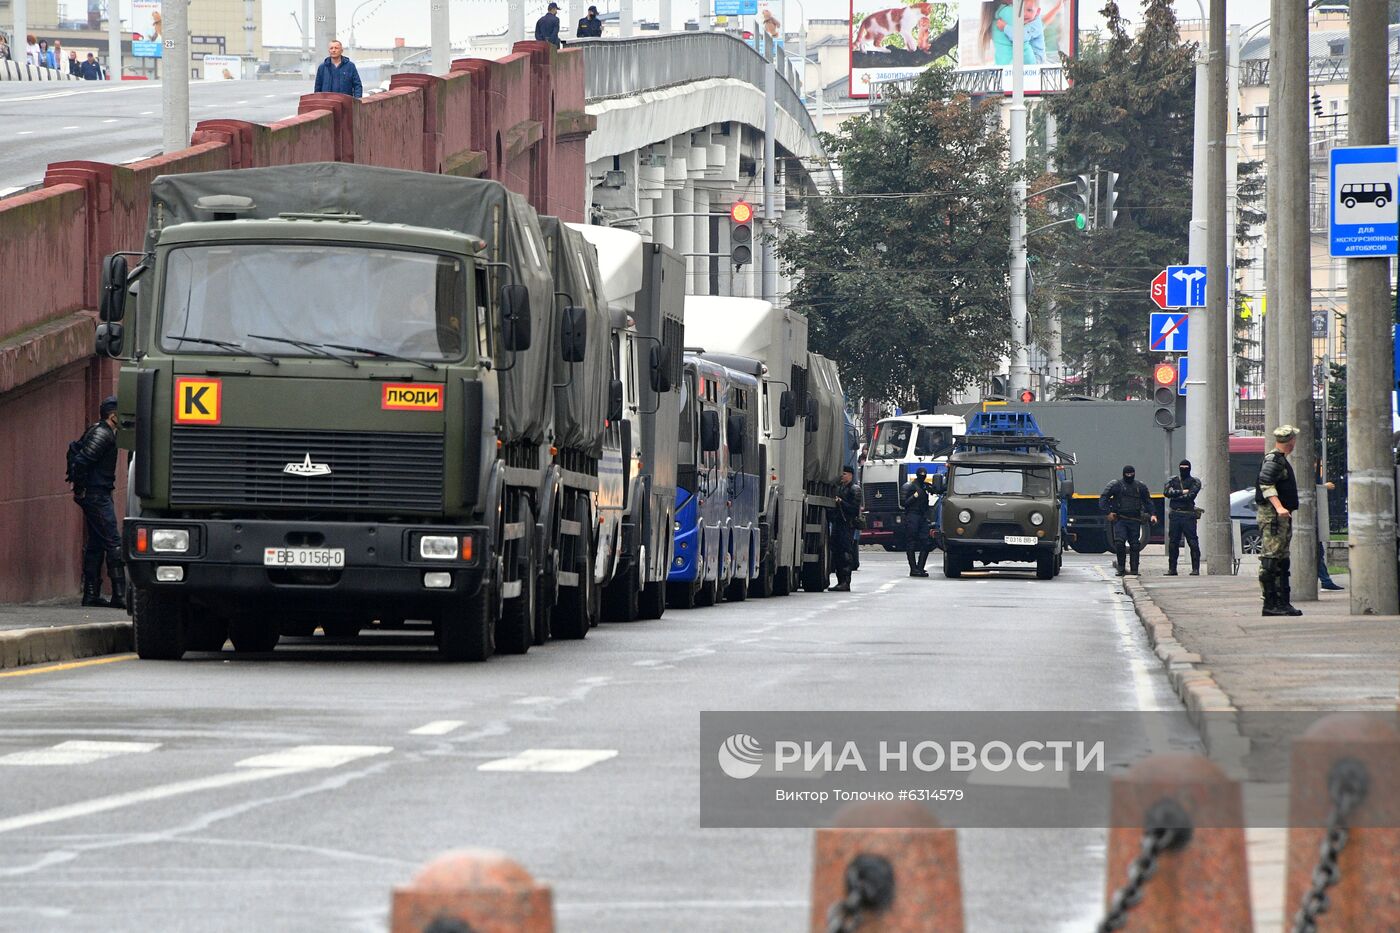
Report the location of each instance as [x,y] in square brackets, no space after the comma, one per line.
[1080,222]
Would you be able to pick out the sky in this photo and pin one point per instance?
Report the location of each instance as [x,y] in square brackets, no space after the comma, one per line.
[379,22]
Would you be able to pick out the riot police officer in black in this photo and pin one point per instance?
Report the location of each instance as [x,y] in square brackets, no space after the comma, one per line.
[1128,504]
[94,474]
[843,529]
[1181,492]
[914,500]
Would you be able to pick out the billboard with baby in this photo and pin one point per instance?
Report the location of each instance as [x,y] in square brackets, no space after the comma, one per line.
[986,36]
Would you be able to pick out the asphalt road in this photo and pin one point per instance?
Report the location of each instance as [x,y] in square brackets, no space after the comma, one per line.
[115,122]
[291,791]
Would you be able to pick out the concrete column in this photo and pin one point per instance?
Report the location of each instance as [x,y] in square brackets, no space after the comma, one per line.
[1196,256]
[667,18]
[1215,497]
[324,28]
[625,18]
[114,41]
[17,43]
[1371,471]
[440,26]
[651,189]
[175,85]
[682,195]
[307,69]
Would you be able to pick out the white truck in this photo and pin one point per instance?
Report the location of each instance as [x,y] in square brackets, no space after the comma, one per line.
[900,445]
[770,343]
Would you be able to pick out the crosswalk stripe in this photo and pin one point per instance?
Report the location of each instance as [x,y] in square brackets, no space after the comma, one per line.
[313,757]
[551,760]
[75,752]
[438,727]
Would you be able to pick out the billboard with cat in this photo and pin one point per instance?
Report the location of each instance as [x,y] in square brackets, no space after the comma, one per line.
[899,40]
[985,39]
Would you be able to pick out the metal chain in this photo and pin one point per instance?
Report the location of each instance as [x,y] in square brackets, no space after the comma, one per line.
[869,886]
[1347,784]
[1167,827]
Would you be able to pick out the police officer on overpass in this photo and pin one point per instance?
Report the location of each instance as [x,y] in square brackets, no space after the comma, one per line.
[914,499]
[1275,501]
[1128,504]
[1181,492]
[93,472]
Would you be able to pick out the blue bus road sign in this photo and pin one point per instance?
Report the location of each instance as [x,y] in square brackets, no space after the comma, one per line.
[1166,331]
[736,7]
[1181,375]
[1186,286]
[1361,216]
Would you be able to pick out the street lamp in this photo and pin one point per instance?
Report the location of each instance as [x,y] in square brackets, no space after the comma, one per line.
[352,24]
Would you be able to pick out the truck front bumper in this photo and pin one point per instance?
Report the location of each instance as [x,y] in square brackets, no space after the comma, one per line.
[382,561]
[994,550]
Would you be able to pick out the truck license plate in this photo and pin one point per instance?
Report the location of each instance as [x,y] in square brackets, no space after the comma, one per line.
[330,557]
[1019,539]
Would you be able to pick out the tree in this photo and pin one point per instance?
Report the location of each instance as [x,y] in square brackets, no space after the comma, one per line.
[1128,109]
[903,273]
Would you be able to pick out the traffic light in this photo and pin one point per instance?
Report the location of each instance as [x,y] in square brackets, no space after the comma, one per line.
[741,233]
[1110,198]
[1164,395]
[1027,396]
[999,386]
[1084,189]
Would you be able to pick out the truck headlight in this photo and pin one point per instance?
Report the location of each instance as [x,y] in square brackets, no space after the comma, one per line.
[1037,519]
[438,547]
[170,540]
[964,516]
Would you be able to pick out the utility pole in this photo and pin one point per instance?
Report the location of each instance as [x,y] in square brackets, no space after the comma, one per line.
[1232,209]
[17,43]
[1370,466]
[625,18]
[440,29]
[770,213]
[175,88]
[1288,170]
[1216,481]
[306,69]
[667,17]
[1196,343]
[1020,371]
[250,29]
[325,25]
[114,41]
[515,21]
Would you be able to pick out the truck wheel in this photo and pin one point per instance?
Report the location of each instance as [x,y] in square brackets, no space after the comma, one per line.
[515,631]
[206,631]
[816,576]
[765,584]
[620,599]
[952,565]
[652,602]
[708,593]
[1045,567]
[253,633]
[680,595]
[573,616]
[466,631]
[782,581]
[737,591]
[159,621]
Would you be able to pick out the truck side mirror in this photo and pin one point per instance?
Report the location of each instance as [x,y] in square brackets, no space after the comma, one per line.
[709,431]
[787,409]
[615,400]
[111,302]
[813,416]
[515,317]
[1066,488]
[573,334]
[109,340]
[939,484]
[660,369]
[735,433]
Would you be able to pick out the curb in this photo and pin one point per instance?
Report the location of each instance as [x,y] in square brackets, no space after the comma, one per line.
[63,643]
[1194,684]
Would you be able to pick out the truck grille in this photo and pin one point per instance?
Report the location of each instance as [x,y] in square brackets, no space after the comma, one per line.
[881,497]
[1001,530]
[246,467]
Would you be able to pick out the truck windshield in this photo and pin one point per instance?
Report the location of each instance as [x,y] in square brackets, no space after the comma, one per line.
[933,442]
[392,301]
[1001,481]
[892,442]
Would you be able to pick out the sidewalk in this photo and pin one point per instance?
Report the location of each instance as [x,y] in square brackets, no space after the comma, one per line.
[40,634]
[1222,654]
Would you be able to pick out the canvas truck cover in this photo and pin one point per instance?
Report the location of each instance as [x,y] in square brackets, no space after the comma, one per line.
[824,451]
[619,261]
[474,206]
[660,314]
[581,389]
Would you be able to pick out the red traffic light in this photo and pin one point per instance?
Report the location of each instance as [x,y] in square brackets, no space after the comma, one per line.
[741,212]
[1164,374]
[1027,395]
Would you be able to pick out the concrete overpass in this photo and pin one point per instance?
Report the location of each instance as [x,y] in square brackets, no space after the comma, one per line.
[593,131]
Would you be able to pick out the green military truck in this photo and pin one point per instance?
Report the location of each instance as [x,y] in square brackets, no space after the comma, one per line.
[338,388]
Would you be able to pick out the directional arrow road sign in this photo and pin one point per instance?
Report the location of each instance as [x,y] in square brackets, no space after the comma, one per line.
[1159,290]
[1166,332]
[1186,286]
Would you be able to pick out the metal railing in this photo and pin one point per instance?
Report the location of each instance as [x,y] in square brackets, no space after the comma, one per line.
[1254,72]
[622,67]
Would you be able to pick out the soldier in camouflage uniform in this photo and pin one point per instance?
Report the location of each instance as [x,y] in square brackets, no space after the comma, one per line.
[1275,501]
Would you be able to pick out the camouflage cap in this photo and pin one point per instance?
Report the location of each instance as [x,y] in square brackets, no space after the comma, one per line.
[1285,432]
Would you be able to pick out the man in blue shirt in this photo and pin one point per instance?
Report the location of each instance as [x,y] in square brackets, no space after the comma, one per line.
[547,26]
[338,74]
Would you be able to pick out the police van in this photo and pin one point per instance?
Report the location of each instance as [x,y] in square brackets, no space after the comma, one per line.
[900,445]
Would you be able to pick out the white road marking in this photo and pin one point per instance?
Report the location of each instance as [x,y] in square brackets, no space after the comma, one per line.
[552,760]
[73,127]
[886,587]
[147,113]
[25,133]
[438,727]
[76,752]
[312,757]
[110,121]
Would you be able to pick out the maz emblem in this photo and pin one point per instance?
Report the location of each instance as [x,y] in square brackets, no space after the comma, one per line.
[307,468]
